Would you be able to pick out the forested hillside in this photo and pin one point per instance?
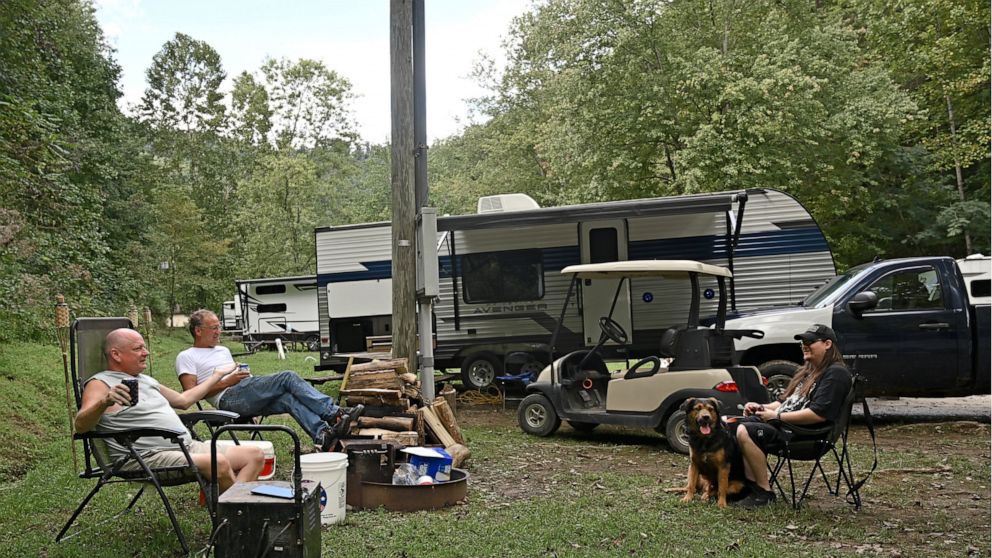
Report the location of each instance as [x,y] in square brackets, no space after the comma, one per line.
[874,114]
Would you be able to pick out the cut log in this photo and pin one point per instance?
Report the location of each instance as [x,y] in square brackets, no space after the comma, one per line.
[374,379]
[395,424]
[374,432]
[447,418]
[397,364]
[413,392]
[449,394]
[459,454]
[436,428]
[389,397]
[420,425]
[409,378]
[409,438]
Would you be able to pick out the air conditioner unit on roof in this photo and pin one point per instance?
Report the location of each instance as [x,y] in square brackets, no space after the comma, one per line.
[506,202]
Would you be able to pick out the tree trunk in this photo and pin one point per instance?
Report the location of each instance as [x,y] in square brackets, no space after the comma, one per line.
[957,168]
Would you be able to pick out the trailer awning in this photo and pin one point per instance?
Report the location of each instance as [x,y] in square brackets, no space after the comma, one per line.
[700,203]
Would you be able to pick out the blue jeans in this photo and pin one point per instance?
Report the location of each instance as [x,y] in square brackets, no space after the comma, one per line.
[284,392]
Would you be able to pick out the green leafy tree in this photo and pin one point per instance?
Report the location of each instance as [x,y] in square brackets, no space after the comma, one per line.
[251,116]
[277,217]
[309,104]
[939,52]
[630,99]
[184,87]
[66,158]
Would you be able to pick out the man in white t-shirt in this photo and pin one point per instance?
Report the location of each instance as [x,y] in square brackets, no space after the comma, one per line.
[247,395]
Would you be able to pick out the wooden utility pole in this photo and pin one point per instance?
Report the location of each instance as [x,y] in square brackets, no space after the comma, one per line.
[404,207]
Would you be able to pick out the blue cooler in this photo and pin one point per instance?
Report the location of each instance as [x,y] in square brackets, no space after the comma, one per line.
[434,462]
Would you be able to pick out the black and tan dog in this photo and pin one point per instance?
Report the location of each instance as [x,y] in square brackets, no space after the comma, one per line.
[714,458]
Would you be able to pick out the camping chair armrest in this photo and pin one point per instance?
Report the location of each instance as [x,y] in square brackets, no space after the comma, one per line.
[213,417]
[802,430]
[131,435]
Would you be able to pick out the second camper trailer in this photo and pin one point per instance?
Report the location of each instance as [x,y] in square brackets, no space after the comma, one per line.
[501,285]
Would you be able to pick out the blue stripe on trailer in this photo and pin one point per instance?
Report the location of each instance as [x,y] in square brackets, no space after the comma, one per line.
[707,247]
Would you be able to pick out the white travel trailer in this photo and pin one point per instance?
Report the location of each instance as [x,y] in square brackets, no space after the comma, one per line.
[501,284]
[279,308]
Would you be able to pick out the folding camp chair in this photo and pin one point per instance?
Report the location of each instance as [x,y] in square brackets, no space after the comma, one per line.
[86,349]
[813,444]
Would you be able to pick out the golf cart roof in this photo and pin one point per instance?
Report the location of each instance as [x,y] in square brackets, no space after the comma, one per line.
[645,268]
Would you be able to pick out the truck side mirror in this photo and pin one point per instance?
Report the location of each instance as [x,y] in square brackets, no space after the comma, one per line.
[865,300]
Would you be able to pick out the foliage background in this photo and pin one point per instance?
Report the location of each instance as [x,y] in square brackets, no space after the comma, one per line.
[873,113]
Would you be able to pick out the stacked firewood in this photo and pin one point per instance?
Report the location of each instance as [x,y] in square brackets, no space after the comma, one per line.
[388,384]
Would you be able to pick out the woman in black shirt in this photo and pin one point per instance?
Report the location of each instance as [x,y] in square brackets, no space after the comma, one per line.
[815,395]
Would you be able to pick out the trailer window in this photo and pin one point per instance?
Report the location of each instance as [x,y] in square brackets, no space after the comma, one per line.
[270,308]
[981,287]
[270,289]
[502,276]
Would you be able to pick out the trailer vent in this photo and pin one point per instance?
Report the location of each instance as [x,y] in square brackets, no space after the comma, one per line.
[506,202]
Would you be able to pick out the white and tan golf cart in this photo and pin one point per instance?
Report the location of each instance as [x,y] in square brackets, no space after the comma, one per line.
[580,389]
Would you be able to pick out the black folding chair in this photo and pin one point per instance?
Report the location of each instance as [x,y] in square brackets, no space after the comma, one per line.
[812,445]
[86,349]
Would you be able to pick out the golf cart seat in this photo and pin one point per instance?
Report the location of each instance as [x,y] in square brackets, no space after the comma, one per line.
[694,349]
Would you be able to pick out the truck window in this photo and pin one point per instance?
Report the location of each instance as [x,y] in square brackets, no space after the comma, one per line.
[502,276]
[827,293]
[916,289]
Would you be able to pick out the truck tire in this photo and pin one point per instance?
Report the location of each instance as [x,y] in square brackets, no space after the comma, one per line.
[677,432]
[779,374]
[537,416]
[479,370]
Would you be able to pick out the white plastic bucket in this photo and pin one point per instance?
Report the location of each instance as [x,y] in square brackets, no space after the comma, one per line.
[329,469]
[269,468]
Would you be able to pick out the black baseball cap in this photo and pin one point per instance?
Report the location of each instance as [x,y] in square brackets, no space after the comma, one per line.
[815,332]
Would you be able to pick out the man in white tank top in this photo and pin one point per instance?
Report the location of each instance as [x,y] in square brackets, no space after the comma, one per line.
[106,405]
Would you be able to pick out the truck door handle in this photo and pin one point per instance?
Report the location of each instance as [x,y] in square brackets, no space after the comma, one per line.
[938,325]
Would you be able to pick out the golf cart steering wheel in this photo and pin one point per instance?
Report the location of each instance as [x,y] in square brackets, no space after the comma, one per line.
[613,330]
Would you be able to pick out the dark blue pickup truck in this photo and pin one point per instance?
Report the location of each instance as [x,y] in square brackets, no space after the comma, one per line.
[916,327]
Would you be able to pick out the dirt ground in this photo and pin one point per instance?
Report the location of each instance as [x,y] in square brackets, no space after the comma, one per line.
[931,486]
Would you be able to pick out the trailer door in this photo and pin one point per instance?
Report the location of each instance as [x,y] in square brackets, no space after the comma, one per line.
[603,241]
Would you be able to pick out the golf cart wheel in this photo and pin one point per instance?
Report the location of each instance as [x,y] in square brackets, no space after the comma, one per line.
[479,370]
[677,432]
[779,374]
[583,426]
[537,416]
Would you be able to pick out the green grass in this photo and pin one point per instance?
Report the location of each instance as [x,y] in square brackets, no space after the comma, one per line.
[563,496]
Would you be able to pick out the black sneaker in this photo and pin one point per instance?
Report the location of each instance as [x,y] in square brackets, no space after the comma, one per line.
[328,440]
[341,424]
[758,497]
